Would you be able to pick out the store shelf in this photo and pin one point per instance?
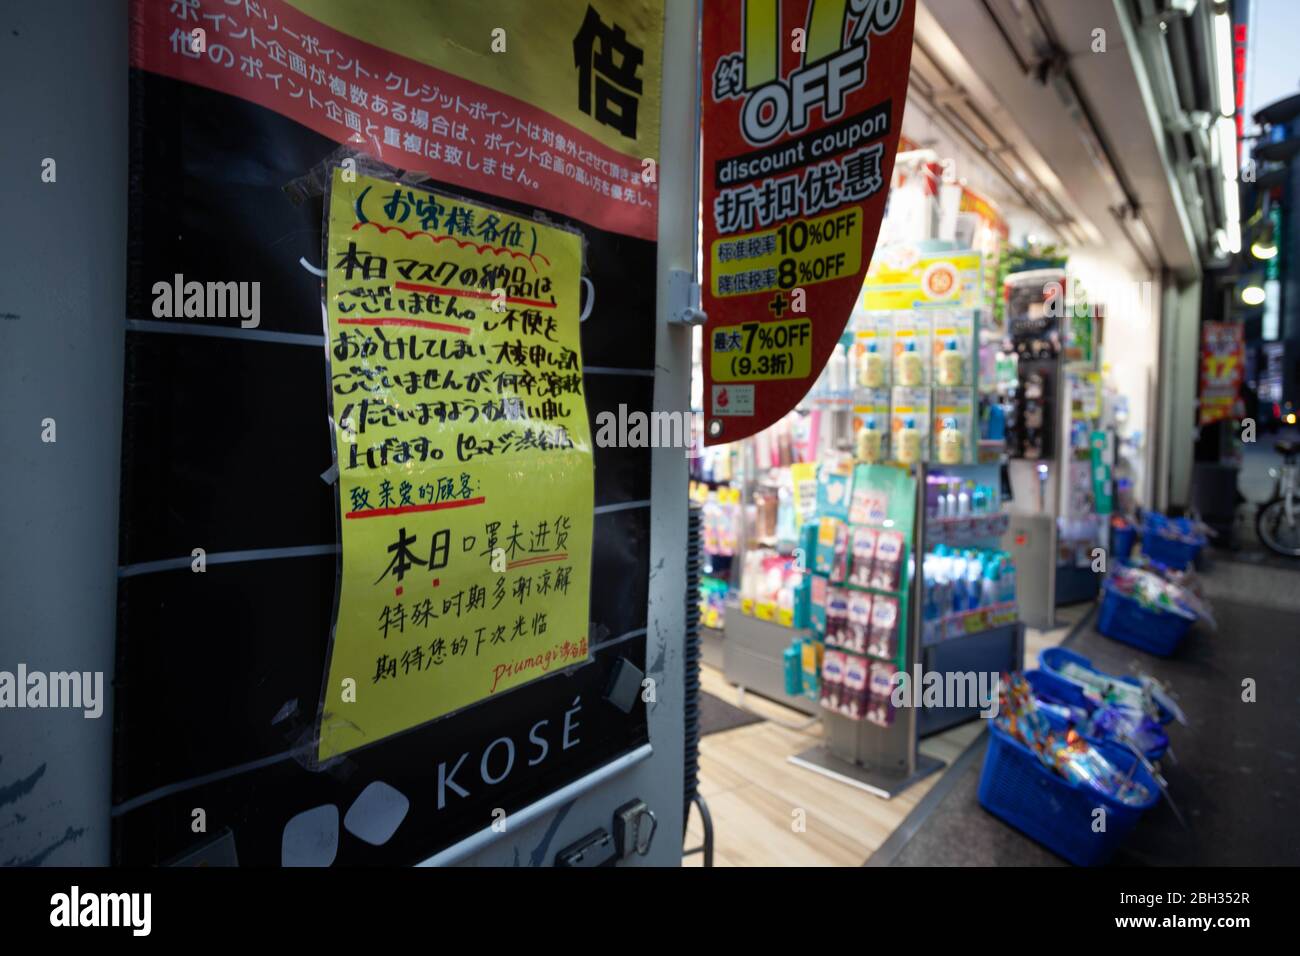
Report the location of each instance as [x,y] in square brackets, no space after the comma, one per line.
[886,592]
[871,657]
[753,658]
[954,627]
[990,652]
[970,529]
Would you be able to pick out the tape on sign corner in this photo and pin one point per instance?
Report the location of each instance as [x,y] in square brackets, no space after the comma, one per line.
[315,181]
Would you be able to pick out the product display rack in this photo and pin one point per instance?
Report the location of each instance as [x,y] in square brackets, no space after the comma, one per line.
[984,640]
[1082,523]
[886,760]
[756,634]
[883,760]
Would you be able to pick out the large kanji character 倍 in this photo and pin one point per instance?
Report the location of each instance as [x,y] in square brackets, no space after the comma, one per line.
[604,51]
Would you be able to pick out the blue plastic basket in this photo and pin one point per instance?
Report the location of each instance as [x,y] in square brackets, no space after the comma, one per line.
[1018,789]
[1052,660]
[1054,689]
[1123,540]
[1124,619]
[1171,552]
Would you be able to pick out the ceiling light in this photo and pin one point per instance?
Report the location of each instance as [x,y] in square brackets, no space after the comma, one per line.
[1223,59]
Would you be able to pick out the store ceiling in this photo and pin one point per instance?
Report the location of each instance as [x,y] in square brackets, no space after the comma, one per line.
[1078,127]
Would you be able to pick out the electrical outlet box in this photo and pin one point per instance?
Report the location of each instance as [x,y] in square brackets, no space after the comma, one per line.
[595,849]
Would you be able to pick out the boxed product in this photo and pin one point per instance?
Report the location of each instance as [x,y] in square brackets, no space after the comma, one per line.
[854,696]
[859,625]
[827,535]
[832,684]
[802,618]
[811,653]
[909,424]
[817,598]
[954,426]
[870,503]
[880,709]
[837,616]
[833,486]
[953,349]
[911,349]
[840,560]
[882,639]
[808,544]
[864,552]
[793,668]
[887,561]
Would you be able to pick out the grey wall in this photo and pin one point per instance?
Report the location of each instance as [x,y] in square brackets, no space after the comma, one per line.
[1179,378]
[63,95]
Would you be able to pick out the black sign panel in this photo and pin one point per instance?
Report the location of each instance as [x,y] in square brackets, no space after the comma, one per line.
[225,440]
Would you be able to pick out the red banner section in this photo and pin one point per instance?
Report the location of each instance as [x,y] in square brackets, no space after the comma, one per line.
[1223,365]
[803,104]
[408,114]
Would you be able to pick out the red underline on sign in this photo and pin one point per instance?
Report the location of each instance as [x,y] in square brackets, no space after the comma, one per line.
[477,247]
[407,509]
[468,293]
[415,323]
[540,560]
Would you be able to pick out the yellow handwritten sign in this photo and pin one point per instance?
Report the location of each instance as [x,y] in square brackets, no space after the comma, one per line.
[464,456]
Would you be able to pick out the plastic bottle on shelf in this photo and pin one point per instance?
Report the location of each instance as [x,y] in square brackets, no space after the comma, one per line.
[871,367]
[910,371]
[990,587]
[838,366]
[996,424]
[1008,578]
[930,609]
[909,442]
[785,517]
[822,385]
[957,577]
[951,443]
[942,581]
[793,668]
[974,580]
[951,364]
[869,442]
[963,502]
